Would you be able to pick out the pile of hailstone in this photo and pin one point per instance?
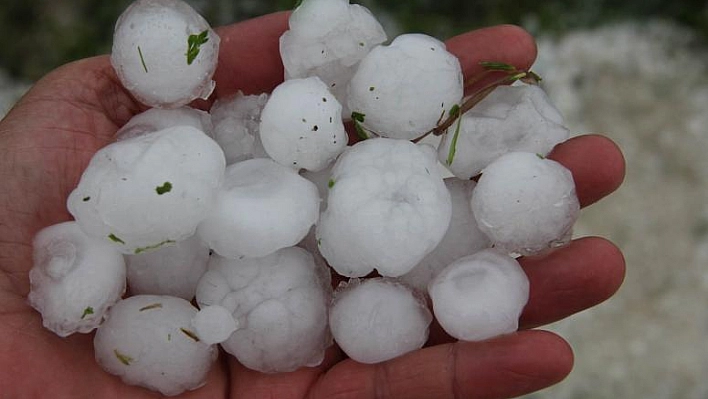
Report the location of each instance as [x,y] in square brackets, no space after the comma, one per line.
[243,209]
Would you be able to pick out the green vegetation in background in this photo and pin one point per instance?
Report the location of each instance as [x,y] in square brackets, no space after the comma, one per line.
[39,35]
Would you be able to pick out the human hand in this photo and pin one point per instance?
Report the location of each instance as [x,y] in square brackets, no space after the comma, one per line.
[49,137]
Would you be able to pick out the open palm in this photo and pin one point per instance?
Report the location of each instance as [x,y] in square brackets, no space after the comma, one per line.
[50,136]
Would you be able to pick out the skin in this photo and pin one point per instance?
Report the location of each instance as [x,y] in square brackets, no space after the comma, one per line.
[50,136]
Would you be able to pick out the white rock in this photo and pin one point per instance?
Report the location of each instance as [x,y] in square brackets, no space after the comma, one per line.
[165,53]
[375,320]
[511,118]
[156,119]
[150,190]
[403,90]
[214,324]
[387,208]
[263,207]
[280,304]
[526,203]
[75,278]
[236,121]
[480,296]
[146,340]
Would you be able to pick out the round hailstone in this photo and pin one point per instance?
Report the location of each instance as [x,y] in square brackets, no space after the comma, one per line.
[376,320]
[403,90]
[149,191]
[236,121]
[526,203]
[327,39]
[172,270]
[214,324]
[165,53]
[480,296]
[387,208]
[146,340]
[156,119]
[301,125]
[280,304]
[75,278]
[511,118]
[262,208]
[463,237]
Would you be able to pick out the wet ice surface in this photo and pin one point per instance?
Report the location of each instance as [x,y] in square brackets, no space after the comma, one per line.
[511,118]
[480,296]
[74,279]
[280,304]
[147,340]
[236,120]
[404,89]
[375,320]
[165,53]
[149,191]
[387,208]
[156,119]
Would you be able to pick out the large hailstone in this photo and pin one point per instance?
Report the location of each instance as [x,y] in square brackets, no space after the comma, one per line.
[147,341]
[301,125]
[526,203]
[403,90]
[462,238]
[480,296]
[75,278]
[387,208]
[165,53]
[375,320]
[172,270]
[149,191]
[279,303]
[511,118]
[156,119]
[262,208]
[236,121]
[327,39]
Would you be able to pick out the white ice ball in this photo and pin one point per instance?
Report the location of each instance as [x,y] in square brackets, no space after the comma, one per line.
[387,208]
[147,341]
[262,208]
[280,304]
[156,119]
[214,324]
[301,125]
[375,320]
[480,296]
[149,191]
[172,270]
[511,118]
[526,203]
[236,121]
[75,278]
[403,90]
[165,53]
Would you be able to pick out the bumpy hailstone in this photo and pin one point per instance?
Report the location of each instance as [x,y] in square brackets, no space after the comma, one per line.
[149,191]
[462,238]
[147,341]
[480,296]
[376,320]
[214,324]
[526,203]
[236,120]
[262,208]
[280,304]
[301,125]
[327,39]
[387,208]
[511,118]
[404,89]
[156,119]
[172,270]
[165,53]
[75,278]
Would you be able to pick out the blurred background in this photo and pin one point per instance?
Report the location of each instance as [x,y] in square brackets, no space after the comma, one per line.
[634,70]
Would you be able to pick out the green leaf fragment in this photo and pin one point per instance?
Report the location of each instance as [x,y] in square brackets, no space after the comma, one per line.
[86,199]
[151,306]
[453,145]
[298,3]
[142,59]
[115,239]
[358,118]
[87,311]
[540,156]
[190,334]
[125,359]
[164,188]
[140,250]
[194,42]
[330,183]
[498,66]
[455,110]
